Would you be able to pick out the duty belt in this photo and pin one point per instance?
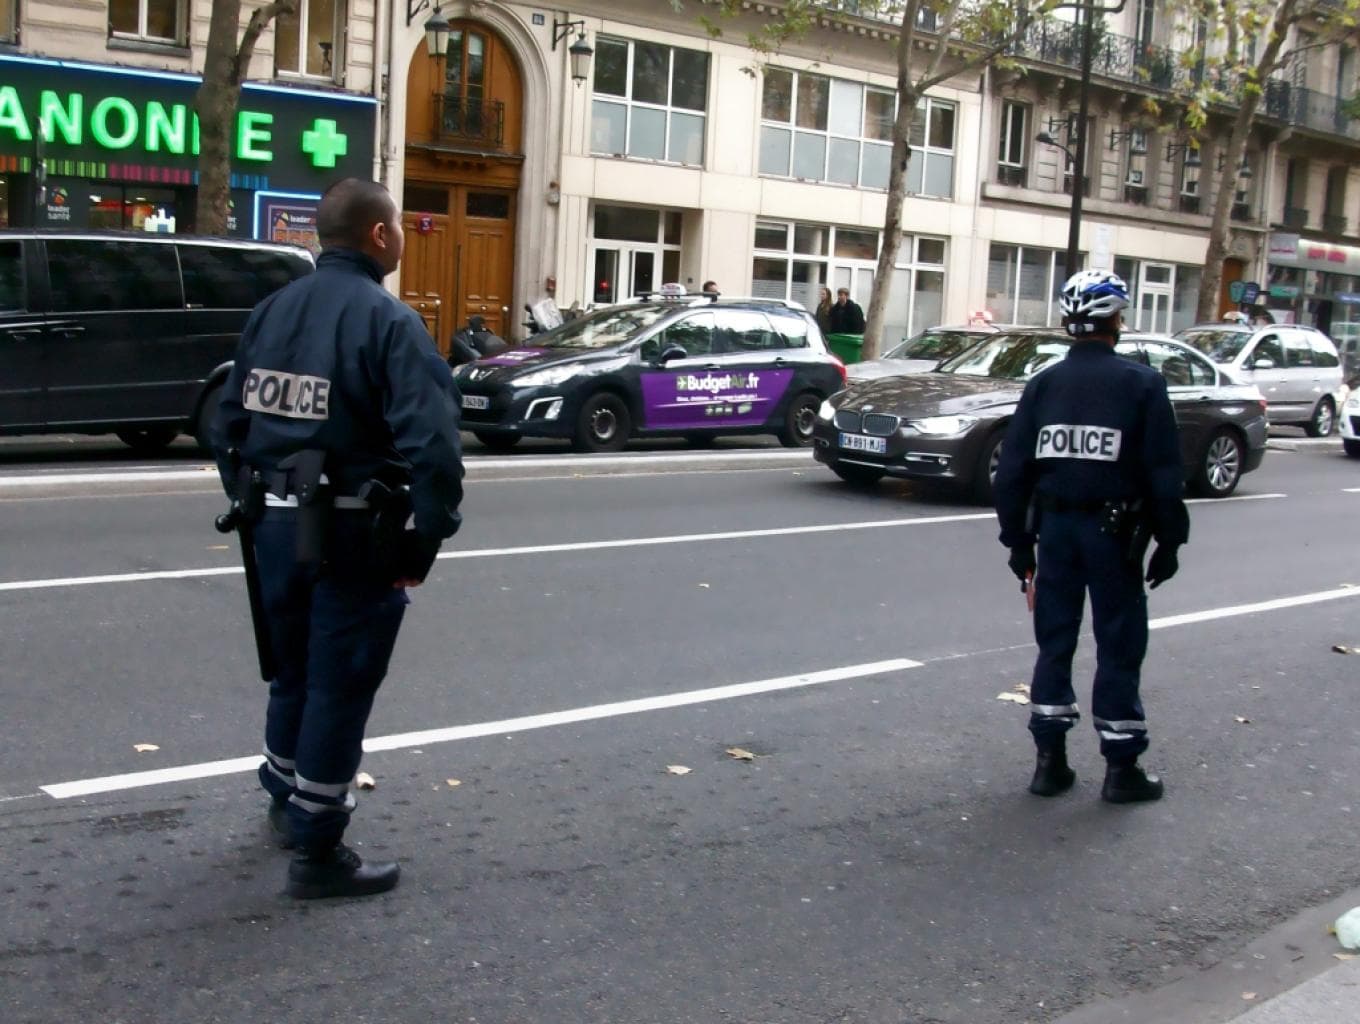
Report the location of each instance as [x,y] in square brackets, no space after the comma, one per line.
[280,495]
[1050,503]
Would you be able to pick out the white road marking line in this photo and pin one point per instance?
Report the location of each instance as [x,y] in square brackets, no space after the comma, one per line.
[1351,490]
[545,549]
[25,796]
[1231,611]
[1235,497]
[63,479]
[132,780]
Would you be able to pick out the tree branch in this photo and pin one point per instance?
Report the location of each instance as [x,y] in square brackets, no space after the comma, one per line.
[259,20]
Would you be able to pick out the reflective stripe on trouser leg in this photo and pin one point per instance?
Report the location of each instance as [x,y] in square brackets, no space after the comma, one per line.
[1059,595]
[1119,620]
[277,775]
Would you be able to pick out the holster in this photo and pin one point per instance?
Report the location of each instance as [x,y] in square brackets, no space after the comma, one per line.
[1129,523]
[302,475]
[399,553]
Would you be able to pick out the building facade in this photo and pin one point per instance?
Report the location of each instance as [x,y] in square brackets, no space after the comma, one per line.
[97,128]
[678,156]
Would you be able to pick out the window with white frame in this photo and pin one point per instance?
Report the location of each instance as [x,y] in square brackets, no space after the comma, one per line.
[931,170]
[1242,194]
[1190,181]
[1010,160]
[160,21]
[795,261]
[650,101]
[1092,144]
[1136,177]
[1023,284]
[309,41]
[825,129]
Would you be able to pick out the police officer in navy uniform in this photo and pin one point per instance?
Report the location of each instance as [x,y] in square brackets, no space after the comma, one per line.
[1090,459]
[338,398]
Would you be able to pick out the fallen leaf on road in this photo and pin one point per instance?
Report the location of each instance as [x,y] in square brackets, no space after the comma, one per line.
[145,748]
[1248,995]
[218,547]
[740,754]
[1241,721]
[365,781]
[678,769]
[1021,688]
[1345,956]
[1014,698]
[1342,649]
[452,782]
[706,586]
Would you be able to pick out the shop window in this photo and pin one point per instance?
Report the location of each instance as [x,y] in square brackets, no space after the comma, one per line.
[310,40]
[1023,283]
[107,276]
[159,21]
[118,208]
[650,101]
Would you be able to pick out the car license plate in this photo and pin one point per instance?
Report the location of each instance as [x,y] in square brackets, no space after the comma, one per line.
[476,402]
[860,443]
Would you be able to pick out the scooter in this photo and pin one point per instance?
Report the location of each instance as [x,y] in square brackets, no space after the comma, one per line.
[474,342]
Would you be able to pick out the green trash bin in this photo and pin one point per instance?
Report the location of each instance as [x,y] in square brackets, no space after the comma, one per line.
[846,346]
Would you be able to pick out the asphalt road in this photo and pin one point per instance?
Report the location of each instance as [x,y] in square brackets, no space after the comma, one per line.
[878,861]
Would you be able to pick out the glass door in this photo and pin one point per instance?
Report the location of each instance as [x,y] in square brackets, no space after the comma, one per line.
[1154,298]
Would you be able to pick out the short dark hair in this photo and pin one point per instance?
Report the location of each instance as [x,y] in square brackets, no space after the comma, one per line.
[348,211]
[710,284]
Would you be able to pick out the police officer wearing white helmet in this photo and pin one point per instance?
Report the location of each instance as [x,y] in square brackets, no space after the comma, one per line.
[1091,468]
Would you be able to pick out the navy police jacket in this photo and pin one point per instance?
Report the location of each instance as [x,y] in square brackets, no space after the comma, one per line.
[334,361]
[1092,428]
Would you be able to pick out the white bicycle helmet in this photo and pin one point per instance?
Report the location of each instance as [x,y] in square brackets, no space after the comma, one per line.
[1091,295]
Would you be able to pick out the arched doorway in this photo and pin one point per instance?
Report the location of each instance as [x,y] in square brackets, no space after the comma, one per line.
[464,153]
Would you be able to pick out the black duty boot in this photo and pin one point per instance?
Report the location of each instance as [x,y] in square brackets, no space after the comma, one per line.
[1051,773]
[317,874]
[1126,783]
[278,823]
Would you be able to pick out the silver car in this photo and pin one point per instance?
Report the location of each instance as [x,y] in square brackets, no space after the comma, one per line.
[1296,368]
[923,352]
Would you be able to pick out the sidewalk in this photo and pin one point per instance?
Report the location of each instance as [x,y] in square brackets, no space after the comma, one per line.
[1333,997]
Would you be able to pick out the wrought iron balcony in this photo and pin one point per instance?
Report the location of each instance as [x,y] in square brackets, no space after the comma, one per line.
[1307,108]
[1240,211]
[1189,203]
[1011,174]
[1334,223]
[1295,217]
[1085,183]
[469,122]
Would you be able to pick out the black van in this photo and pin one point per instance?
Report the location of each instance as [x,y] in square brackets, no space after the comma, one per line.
[126,333]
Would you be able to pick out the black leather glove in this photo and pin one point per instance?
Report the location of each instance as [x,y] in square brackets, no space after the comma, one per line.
[415,555]
[1162,565]
[1022,561]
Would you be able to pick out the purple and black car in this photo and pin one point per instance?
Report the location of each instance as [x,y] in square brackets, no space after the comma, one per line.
[696,367]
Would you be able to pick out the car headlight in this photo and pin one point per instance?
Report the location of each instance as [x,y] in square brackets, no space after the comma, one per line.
[943,426]
[826,411]
[546,377]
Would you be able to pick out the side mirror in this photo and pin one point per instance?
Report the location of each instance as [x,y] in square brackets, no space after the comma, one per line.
[671,352]
[1263,363]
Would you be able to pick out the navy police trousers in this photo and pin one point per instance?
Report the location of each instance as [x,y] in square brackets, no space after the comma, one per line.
[332,627]
[1075,557]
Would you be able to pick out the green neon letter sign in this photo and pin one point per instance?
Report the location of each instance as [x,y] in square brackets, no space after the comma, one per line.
[53,117]
[168,128]
[12,114]
[99,123]
[252,131]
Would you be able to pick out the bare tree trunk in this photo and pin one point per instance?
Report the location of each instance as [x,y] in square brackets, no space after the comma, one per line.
[897,192]
[224,67]
[1211,280]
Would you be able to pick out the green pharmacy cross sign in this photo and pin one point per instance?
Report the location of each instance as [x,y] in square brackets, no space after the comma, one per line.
[296,138]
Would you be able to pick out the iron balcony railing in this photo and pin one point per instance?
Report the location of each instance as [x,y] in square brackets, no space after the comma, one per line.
[1334,223]
[1295,217]
[469,122]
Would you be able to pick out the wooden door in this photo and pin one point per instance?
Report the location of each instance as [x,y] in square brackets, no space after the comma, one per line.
[486,260]
[427,272]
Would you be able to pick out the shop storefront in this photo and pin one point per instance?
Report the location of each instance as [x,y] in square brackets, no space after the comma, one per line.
[1315,283]
[120,147]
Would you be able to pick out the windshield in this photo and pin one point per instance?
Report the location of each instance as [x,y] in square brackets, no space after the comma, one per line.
[1222,346]
[1008,356]
[608,327]
[932,345]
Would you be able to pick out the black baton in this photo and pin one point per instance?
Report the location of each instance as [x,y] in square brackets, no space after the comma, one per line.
[239,517]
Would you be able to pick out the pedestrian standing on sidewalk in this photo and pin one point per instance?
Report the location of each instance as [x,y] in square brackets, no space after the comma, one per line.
[340,407]
[846,316]
[1091,466]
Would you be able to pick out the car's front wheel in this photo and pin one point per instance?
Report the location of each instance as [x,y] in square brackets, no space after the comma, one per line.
[857,476]
[986,468]
[603,424]
[1220,465]
[1323,420]
[148,440]
[496,442]
[798,421]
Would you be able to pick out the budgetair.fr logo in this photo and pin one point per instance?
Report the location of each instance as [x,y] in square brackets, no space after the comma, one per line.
[717,383]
